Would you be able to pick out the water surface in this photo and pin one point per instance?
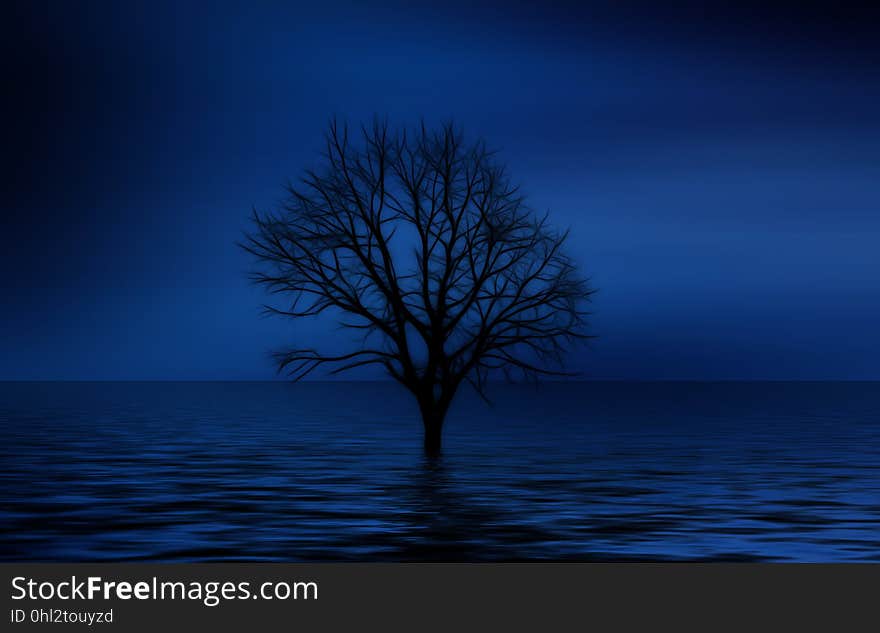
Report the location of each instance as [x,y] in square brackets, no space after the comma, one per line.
[334,471]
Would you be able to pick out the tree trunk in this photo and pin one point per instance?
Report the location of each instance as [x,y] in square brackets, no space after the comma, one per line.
[433,437]
[434,401]
[432,419]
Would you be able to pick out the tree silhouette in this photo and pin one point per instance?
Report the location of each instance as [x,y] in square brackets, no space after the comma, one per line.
[419,241]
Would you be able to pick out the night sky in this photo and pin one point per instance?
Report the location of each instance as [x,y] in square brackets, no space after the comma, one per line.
[719,170]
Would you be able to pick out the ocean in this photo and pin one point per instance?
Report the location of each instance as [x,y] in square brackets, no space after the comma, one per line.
[334,471]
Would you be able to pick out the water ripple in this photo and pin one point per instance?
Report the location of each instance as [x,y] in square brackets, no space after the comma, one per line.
[277,472]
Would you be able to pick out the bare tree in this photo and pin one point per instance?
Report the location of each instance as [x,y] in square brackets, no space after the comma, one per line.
[420,241]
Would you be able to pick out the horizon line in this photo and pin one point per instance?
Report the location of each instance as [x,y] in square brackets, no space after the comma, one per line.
[391,381]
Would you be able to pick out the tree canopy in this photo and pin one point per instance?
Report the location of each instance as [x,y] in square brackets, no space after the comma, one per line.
[418,240]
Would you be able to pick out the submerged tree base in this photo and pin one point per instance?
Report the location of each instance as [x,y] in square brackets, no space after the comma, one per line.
[433,440]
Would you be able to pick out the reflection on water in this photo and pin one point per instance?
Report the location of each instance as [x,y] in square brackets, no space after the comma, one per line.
[602,471]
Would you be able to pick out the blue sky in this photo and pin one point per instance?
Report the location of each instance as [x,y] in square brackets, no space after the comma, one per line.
[719,171]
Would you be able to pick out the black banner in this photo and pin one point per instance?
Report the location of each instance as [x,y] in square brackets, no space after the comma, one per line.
[270,597]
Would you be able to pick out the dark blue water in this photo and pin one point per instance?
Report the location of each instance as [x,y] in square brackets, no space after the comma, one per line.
[600,471]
